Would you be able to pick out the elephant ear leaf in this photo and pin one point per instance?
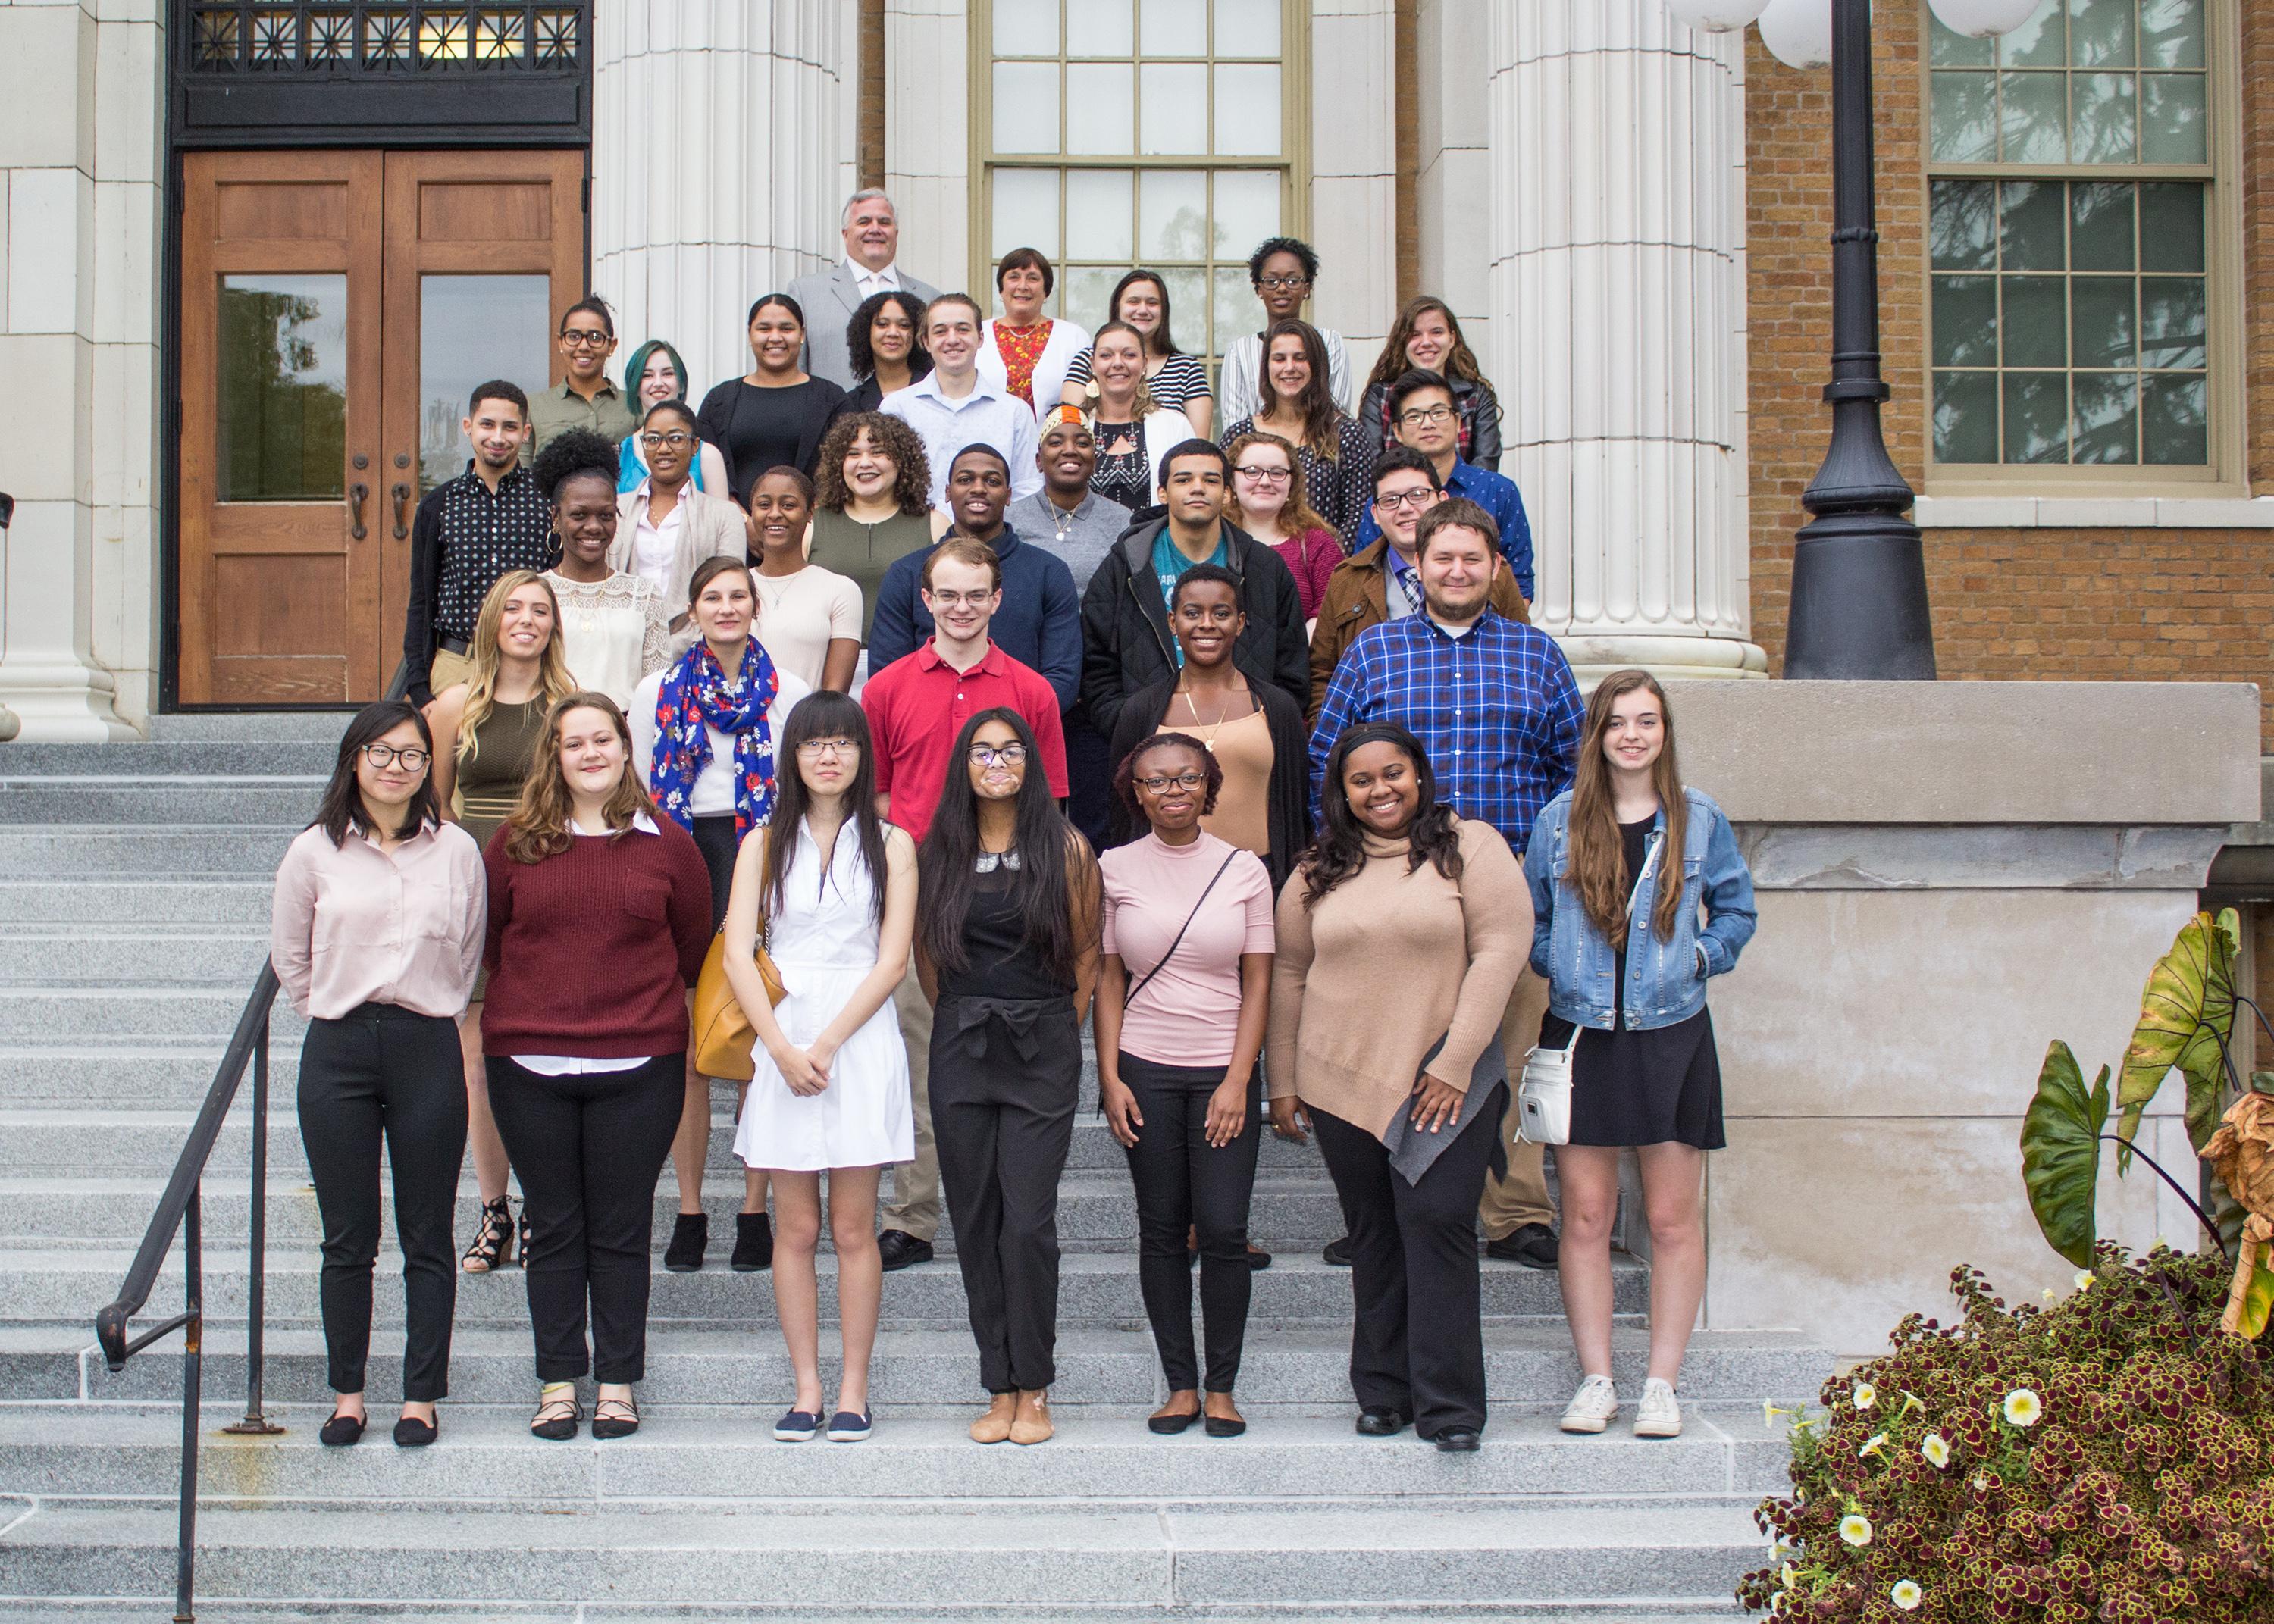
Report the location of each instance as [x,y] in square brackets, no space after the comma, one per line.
[2186,1014]
[2060,1152]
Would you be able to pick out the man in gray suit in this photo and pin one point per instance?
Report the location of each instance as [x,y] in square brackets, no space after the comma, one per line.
[872,242]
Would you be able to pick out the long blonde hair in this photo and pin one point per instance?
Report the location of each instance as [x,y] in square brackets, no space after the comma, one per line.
[538,827]
[1296,517]
[1598,870]
[553,679]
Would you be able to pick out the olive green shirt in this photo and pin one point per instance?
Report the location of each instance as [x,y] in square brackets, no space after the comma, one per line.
[560,408]
[865,552]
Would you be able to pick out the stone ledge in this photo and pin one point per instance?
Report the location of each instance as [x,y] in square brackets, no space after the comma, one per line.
[1979,856]
[2093,512]
[2106,754]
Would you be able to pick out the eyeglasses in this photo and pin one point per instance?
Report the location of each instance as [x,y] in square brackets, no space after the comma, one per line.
[1265,476]
[1282,283]
[949,600]
[1182,780]
[411,759]
[1426,414]
[826,747]
[578,339]
[1390,501]
[993,755]
[676,439]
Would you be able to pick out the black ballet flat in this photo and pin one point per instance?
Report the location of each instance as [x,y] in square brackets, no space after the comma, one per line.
[1169,1426]
[412,1433]
[341,1431]
[1223,1426]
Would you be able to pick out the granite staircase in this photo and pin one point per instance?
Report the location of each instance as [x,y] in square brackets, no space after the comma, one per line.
[133,898]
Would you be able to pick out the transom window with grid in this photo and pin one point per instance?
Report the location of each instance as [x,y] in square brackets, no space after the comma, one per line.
[1127,133]
[2072,238]
[381,38]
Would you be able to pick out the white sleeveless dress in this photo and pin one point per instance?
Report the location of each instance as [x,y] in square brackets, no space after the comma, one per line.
[824,942]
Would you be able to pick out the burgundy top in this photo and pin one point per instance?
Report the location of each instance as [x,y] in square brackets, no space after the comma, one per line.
[1312,556]
[590,952]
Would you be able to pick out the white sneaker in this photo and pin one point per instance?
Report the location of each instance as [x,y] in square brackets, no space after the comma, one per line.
[1659,1415]
[1592,1407]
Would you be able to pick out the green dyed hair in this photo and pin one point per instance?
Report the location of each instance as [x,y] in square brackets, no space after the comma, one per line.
[638,365]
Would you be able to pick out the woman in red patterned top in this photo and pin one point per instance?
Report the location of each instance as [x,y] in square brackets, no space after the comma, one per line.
[1023,352]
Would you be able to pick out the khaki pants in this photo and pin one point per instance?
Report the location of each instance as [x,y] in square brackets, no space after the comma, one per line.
[1521,1198]
[448,669]
[914,1207]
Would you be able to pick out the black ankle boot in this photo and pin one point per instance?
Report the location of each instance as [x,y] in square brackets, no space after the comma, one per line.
[688,1236]
[754,1242]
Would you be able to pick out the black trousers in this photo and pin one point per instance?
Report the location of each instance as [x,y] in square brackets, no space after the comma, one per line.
[1089,776]
[1417,1346]
[1003,1120]
[382,1070]
[589,1148]
[715,839]
[1183,1183]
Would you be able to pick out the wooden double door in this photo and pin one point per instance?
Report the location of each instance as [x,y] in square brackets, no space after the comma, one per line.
[336,308]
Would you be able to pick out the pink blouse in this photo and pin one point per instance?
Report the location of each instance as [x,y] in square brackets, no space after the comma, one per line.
[1312,556]
[353,924]
[1188,1015]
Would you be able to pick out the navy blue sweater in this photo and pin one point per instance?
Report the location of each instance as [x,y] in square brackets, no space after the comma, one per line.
[1039,623]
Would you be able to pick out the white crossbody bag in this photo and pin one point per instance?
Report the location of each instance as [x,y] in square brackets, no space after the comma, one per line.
[1543,1100]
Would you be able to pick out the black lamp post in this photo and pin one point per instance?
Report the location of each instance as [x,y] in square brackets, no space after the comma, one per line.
[1858,571]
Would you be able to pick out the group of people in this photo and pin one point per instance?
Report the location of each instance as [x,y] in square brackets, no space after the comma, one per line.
[886,704]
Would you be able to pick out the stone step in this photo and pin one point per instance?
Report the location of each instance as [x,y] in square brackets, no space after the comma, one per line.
[1527,1363]
[112,1610]
[250,727]
[1095,1208]
[236,758]
[989,1558]
[46,851]
[67,1286]
[147,954]
[158,801]
[52,1012]
[725,1454]
[121,902]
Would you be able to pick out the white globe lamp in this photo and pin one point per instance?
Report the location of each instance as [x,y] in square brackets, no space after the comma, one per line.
[1715,16]
[1798,33]
[1978,19]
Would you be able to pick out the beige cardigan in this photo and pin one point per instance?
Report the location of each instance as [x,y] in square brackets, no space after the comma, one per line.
[711,526]
[1386,964]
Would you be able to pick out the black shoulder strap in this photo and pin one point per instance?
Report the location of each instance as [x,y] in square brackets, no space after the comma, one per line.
[1130,997]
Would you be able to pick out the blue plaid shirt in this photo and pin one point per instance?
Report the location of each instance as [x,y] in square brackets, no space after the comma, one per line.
[1497,495]
[1496,710]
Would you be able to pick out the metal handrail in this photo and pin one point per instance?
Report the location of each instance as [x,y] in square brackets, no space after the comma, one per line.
[181,1209]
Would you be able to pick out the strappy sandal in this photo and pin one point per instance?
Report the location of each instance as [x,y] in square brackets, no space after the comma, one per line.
[492,1244]
[558,1412]
[615,1417]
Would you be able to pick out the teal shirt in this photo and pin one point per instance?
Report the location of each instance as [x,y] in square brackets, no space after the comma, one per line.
[1170,563]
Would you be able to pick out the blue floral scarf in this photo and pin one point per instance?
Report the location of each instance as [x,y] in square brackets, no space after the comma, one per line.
[696,691]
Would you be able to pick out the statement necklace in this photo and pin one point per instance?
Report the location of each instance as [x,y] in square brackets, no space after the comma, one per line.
[988,861]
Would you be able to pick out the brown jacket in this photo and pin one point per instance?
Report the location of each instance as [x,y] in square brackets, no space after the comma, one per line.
[1357,596]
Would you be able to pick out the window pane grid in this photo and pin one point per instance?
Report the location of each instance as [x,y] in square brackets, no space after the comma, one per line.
[382,38]
[2069,294]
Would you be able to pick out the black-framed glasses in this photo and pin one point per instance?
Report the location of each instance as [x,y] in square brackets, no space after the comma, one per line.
[676,439]
[1160,782]
[992,755]
[1264,476]
[578,339]
[1282,283]
[817,748]
[1390,501]
[411,758]
[1426,414]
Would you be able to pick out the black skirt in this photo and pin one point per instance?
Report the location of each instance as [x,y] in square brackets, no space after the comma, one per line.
[1654,1087]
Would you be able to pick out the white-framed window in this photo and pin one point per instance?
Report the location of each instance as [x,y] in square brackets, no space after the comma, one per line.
[1162,133]
[2077,244]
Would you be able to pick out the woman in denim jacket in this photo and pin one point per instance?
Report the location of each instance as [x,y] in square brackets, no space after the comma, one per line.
[1629,982]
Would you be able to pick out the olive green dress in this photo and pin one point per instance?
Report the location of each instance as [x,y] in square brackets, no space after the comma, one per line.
[489,781]
[865,552]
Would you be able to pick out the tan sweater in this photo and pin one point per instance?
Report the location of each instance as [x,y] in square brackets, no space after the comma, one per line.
[1385,965]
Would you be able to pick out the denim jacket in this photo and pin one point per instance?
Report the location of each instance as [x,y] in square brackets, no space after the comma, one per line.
[1667,979]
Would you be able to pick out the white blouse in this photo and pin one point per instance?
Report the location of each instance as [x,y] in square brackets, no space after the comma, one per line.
[612,632]
[1066,341]
[714,786]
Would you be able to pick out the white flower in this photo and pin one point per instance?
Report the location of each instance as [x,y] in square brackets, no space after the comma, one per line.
[1874,1444]
[1856,1529]
[1770,1412]
[1866,1395]
[1981,1484]
[1936,1448]
[1907,1594]
[2022,1408]
[1789,1575]
[2085,1277]
[1911,1400]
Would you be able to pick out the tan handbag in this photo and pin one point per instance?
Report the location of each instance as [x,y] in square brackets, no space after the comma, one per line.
[724,1044]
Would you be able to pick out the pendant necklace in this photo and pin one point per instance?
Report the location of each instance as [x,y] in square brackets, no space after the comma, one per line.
[1208,738]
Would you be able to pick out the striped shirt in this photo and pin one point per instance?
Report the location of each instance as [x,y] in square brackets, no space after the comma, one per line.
[1496,709]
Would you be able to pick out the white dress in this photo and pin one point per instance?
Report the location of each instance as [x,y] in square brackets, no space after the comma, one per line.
[824,942]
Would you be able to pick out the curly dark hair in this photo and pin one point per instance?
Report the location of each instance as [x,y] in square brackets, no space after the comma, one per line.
[862,347]
[1125,774]
[911,489]
[571,455]
[1303,251]
[1340,850]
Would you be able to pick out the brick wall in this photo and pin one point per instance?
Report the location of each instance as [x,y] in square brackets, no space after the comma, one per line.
[2149,605]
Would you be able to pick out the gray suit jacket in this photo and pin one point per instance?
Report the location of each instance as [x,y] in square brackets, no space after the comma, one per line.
[829,299]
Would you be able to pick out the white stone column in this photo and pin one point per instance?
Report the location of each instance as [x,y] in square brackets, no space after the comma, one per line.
[1618,296]
[928,140]
[1353,180]
[722,154]
[1454,175]
[80,157]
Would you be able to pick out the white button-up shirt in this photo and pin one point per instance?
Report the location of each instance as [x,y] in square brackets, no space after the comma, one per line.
[984,417]
[871,282]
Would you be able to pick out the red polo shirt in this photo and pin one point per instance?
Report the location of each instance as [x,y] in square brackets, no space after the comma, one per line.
[919,703]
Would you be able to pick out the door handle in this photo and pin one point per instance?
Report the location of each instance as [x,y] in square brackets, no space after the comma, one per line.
[357,493]
[401,495]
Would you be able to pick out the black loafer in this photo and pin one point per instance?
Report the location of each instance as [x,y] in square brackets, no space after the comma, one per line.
[754,1244]
[1373,1421]
[1169,1426]
[690,1235]
[1532,1245]
[896,1249]
[341,1431]
[412,1433]
[1338,1252]
[1458,1440]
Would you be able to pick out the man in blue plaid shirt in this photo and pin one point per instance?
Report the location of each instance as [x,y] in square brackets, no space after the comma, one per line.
[1493,701]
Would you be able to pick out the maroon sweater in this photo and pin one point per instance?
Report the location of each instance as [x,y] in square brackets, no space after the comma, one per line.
[590,953]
